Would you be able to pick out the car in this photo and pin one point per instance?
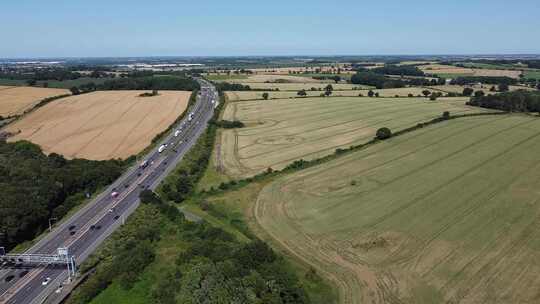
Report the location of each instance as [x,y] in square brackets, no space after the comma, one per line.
[46,281]
[111,210]
[116,217]
[114,194]
[23,273]
[98,227]
[59,289]
[92,227]
[9,278]
[72,232]
[72,227]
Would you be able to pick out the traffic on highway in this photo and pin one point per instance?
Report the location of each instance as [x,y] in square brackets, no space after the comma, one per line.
[83,232]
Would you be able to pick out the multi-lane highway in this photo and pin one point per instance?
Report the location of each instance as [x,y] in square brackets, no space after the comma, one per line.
[83,232]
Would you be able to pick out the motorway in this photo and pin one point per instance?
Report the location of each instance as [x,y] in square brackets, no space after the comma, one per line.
[83,232]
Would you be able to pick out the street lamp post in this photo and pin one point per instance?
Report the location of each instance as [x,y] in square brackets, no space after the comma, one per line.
[50,220]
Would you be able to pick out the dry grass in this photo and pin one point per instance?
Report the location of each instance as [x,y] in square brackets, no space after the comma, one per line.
[445,214]
[280,131]
[16,100]
[100,125]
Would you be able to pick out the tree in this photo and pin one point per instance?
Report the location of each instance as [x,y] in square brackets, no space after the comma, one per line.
[75,91]
[493,89]
[370,93]
[327,93]
[410,95]
[503,87]
[302,93]
[265,96]
[446,115]
[329,88]
[155,92]
[45,84]
[479,93]
[467,91]
[384,133]
[31,82]
[426,92]
[377,94]
[433,96]
[336,79]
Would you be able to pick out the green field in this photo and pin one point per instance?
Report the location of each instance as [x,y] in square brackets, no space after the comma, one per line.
[445,214]
[535,74]
[281,131]
[66,84]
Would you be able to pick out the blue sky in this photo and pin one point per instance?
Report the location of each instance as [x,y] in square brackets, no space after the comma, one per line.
[72,28]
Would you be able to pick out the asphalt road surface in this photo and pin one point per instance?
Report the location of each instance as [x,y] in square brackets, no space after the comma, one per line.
[83,232]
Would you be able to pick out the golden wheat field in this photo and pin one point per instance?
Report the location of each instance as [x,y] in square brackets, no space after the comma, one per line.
[444,214]
[100,125]
[281,131]
[17,100]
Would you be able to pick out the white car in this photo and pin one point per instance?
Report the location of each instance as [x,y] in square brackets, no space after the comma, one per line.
[46,281]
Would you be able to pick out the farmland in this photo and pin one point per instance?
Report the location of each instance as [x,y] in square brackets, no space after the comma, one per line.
[449,71]
[280,131]
[16,100]
[445,214]
[302,86]
[252,95]
[100,125]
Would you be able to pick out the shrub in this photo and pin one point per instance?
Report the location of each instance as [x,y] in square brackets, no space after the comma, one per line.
[446,115]
[383,133]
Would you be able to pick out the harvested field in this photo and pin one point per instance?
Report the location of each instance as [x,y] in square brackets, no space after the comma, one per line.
[448,70]
[445,69]
[276,78]
[299,86]
[100,125]
[252,95]
[445,214]
[16,100]
[280,131]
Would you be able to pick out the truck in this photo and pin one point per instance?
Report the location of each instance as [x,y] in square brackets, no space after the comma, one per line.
[162,148]
[190,118]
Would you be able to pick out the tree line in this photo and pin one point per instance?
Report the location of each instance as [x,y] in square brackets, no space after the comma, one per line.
[517,101]
[383,82]
[464,80]
[35,187]
[181,83]
[403,70]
